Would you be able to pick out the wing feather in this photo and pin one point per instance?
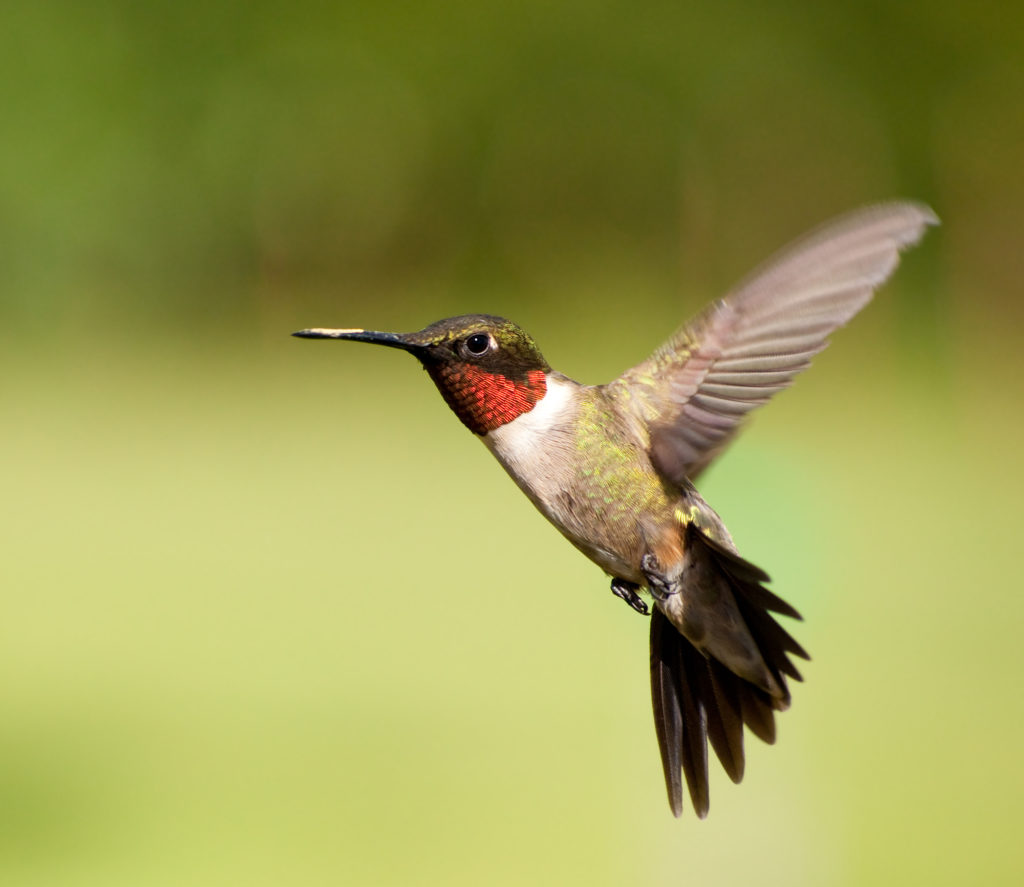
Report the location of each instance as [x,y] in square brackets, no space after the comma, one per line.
[694,392]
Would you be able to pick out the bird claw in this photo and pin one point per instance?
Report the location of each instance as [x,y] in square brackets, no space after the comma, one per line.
[657,582]
[628,592]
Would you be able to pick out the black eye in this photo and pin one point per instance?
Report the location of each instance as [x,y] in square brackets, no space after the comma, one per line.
[478,343]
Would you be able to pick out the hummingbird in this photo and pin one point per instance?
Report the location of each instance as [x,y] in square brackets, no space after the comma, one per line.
[613,467]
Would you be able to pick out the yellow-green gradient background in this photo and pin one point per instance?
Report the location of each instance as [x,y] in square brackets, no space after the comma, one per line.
[269,615]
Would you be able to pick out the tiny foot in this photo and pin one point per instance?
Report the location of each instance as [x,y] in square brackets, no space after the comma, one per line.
[658,583]
[628,592]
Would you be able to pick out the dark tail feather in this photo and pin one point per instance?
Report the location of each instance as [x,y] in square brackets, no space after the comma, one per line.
[725,718]
[666,694]
[697,698]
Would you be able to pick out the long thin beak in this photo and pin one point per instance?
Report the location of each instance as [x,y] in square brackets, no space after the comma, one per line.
[392,340]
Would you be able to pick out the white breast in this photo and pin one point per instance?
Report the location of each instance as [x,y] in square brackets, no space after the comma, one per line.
[539,449]
[529,436]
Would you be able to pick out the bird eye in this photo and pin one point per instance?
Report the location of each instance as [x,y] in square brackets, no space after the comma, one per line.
[478,343]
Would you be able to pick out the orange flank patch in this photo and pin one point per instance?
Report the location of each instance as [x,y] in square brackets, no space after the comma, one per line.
[668,546]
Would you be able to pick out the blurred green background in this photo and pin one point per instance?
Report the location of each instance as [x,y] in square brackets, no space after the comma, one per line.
[270,615]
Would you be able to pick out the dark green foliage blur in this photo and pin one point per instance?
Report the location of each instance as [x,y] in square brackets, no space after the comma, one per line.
[194,162]
[268,614]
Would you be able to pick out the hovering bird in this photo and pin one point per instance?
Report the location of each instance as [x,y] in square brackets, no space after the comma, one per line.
[612,467]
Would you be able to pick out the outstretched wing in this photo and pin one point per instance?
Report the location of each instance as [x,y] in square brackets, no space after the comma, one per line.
[695,390]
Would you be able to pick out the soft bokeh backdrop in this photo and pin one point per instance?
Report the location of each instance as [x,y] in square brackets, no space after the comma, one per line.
[270,615]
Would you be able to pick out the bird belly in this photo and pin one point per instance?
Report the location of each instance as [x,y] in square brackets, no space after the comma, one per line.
[598,489]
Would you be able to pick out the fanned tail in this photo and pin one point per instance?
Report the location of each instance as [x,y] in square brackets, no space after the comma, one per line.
[697,698]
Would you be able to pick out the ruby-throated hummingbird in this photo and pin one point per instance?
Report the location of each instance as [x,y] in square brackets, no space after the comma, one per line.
[612,467]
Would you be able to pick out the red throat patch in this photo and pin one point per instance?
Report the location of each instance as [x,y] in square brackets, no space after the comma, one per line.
[484,400]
